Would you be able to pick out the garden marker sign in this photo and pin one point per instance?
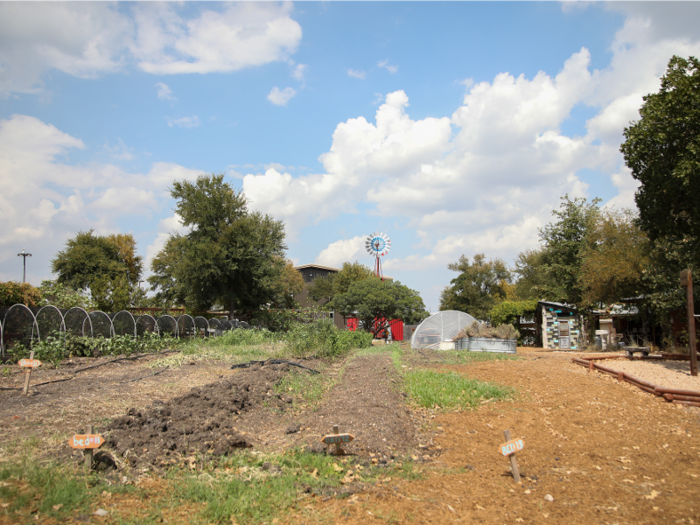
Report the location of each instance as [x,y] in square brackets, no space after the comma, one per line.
[508,449]
[30,364]
[87,442]
[337,439]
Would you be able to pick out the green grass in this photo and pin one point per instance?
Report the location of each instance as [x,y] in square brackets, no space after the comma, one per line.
[449,390]
[241,486]
[305,385]
[53,490]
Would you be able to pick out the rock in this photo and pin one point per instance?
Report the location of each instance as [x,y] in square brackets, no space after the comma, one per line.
[293,428]
[100,512]
[548,497]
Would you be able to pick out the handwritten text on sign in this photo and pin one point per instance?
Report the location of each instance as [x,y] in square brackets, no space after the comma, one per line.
[86,441]
[29,363]
[516,445]
[337,438]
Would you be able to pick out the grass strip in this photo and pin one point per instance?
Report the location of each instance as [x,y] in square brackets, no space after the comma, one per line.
[450,390]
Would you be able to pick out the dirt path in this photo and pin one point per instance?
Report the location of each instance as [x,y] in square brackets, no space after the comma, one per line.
[606,453]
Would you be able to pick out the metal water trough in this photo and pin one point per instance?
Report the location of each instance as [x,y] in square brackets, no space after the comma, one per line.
[486,344]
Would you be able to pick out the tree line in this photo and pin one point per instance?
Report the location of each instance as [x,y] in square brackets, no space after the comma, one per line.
[590,256]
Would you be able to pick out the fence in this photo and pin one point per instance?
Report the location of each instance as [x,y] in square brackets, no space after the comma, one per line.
[21,324]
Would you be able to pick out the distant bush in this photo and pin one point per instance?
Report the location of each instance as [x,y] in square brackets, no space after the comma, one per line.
[245,337]
[323,339]
[13,292]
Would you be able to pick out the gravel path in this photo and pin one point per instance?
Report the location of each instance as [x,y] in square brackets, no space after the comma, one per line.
[670,374]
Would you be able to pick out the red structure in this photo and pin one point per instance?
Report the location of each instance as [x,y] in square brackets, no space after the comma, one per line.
[396,327]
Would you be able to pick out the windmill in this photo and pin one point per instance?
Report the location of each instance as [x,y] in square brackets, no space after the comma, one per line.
[378,245]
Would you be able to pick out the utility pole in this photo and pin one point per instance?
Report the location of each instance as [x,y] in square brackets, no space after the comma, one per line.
[25,255]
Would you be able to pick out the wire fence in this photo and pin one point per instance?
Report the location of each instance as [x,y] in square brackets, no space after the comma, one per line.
[22,324]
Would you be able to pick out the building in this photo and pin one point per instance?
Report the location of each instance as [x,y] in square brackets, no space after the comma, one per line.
[309,273]
[558,326]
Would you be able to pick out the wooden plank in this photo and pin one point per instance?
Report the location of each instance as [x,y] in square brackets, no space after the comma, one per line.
[29,373]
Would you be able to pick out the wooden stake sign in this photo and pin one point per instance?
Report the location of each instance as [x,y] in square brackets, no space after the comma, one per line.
[337,439]
[509,448]
[30,364]
[87,442]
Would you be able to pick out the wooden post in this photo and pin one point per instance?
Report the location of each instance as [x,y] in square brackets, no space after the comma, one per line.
[88,452]
[687,281]
[26,378]
[338,448]
[513,461]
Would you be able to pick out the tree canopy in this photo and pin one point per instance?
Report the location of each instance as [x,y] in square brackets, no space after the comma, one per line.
[13,292]
[231,256]
[662,149]
[333,284]
[375,302]
[107,266]
[480,285]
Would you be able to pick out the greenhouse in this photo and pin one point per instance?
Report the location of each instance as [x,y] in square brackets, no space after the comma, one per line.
[439,330]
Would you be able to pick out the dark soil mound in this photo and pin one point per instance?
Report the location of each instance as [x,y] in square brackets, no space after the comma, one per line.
[200,421]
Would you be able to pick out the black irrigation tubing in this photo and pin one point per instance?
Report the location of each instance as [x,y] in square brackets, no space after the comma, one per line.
[438,355]
[145,377]
[274,362]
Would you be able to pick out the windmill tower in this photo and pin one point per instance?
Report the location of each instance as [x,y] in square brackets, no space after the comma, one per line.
[378,245]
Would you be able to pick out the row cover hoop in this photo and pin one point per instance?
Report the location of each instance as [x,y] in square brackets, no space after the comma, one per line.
[28,327]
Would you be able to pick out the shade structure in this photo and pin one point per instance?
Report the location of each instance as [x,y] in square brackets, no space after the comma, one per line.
[440,327]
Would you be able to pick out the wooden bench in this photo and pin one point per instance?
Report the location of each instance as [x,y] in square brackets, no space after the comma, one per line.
[631,350]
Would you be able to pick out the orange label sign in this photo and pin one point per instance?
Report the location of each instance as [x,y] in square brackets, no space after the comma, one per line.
[513,446]
[29,363]
[86,441]
[337,439]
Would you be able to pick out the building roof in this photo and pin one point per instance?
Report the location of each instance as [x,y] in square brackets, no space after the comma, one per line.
[320,267]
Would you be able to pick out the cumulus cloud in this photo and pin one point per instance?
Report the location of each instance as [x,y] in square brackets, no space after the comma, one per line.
[356,73]
[281,97]
[45,201]
[184,122]
[164,92]
[341,251]
[89,39]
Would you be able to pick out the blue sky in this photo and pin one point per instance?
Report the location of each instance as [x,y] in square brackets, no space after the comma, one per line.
[453,127]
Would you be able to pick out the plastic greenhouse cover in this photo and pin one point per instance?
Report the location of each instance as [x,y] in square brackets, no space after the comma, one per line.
[440,327]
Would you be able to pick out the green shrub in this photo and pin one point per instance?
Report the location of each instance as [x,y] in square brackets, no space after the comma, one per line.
[323,339]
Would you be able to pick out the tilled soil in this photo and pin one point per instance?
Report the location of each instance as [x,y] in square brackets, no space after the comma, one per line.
[202,420]
[603,451]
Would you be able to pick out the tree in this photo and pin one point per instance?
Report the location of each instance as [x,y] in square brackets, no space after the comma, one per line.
[288,284]
[564,241]
[533,279]
[375,302]
[329,286]
[479,286]
[663,151]
[615,258]
[107,266]
[229,257]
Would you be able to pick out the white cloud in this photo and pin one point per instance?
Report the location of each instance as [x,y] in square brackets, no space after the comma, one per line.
[184,122]
[356,73]
[281,97]
[341,251]
[299,72]
[120,151]
[389,68]
[240,35]
[164,92]
[45,200]
[89,39]
[166,228]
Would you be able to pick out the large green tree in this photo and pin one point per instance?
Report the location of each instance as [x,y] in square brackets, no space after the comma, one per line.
[336,283]
[563,242]
[107,266]
[231,256]
[375,302]
[615,258]
[662,149]
[480,285]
